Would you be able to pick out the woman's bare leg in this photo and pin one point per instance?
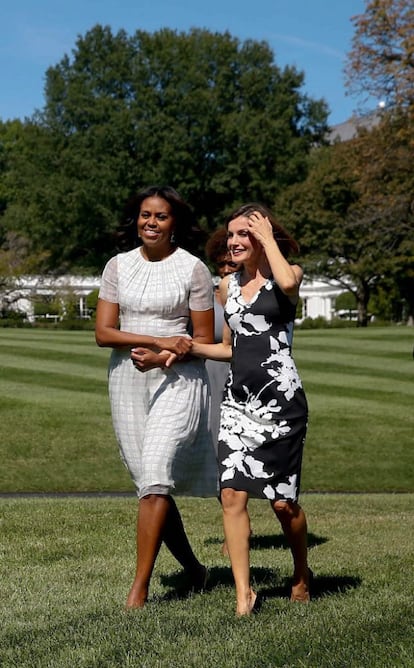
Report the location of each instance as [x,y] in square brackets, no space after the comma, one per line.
[237,532]
[158,520]
[153,511]
[293,522]
[177,542]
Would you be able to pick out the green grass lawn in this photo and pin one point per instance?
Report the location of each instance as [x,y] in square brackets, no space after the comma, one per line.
[66,566]
[66,563]
[57,433]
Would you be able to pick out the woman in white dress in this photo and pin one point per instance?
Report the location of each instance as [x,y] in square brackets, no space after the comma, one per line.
[149,298]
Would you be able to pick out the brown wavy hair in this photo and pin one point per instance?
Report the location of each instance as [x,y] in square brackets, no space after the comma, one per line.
[286,242]
[216,245]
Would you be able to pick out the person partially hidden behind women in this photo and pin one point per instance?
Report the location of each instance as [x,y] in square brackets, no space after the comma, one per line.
[264,411]
[218,254]
[149,298]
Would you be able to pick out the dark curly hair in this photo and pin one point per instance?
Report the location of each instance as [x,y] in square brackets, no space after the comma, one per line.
[216,245]
[187,234]
[285,241]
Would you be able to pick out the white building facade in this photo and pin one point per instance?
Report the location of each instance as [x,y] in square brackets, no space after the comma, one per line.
[318,295]
[31,289]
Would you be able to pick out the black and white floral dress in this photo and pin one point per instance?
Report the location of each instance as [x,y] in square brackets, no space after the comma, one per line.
[264,412]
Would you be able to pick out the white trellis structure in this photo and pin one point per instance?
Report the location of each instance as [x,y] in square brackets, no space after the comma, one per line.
[30,289]
[318,296]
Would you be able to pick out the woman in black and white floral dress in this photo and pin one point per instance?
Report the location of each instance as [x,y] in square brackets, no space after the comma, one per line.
[264,411]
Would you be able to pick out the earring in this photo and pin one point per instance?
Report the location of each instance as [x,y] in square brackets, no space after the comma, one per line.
[172,237]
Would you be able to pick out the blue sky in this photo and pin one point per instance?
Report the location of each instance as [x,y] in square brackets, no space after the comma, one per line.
[314,36]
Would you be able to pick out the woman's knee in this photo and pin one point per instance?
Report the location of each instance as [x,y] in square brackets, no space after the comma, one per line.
[285,509]
[153,500]
[233,500]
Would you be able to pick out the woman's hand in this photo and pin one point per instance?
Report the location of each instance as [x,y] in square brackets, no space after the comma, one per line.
[180,345]
[261,228]
[287,276]
[145,359]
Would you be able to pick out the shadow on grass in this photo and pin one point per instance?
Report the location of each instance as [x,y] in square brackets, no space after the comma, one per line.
[272,541]
[323,585]
[181,586]
[267,581]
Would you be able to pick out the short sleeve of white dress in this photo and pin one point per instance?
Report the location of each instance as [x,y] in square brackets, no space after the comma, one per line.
[201,295]
[109,282]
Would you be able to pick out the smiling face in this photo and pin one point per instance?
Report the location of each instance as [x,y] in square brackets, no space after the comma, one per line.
[155,225]
[241,244]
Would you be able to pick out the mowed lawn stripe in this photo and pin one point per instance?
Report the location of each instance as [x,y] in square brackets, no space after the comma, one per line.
[326,373]
[14,380]
[398,362]
[54,361]
[380,338]
[399,349]
[368,391]
[360,424]
[56,354]
[45,337]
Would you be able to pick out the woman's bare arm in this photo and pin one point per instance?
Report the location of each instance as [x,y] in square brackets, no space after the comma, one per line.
[108,334]
[203,330]
[287,276]
[221,352]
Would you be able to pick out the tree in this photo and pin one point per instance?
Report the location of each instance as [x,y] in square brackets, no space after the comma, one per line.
[16,261]
[201,111]
[381,62]
[11,134]
[17,257]
[354,213]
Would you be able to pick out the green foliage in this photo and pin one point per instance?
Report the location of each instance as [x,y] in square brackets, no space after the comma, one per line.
[387,303]
[63,305]
[16,261]
[11,318]
[353,213]
[46,307]
[212,116]
[346,300]
[92,300]
[316,323]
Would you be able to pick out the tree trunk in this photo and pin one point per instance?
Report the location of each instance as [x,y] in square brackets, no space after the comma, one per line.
[362,295]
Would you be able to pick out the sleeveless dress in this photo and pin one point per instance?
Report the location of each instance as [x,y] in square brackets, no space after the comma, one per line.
[264,411]
[161,417]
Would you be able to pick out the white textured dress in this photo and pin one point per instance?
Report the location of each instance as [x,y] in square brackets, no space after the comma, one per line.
[161,417]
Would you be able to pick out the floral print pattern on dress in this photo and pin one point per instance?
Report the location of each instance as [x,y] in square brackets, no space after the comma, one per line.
[256,424]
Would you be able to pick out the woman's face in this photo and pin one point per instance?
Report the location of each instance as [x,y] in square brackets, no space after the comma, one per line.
[241,244]
[155,222]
